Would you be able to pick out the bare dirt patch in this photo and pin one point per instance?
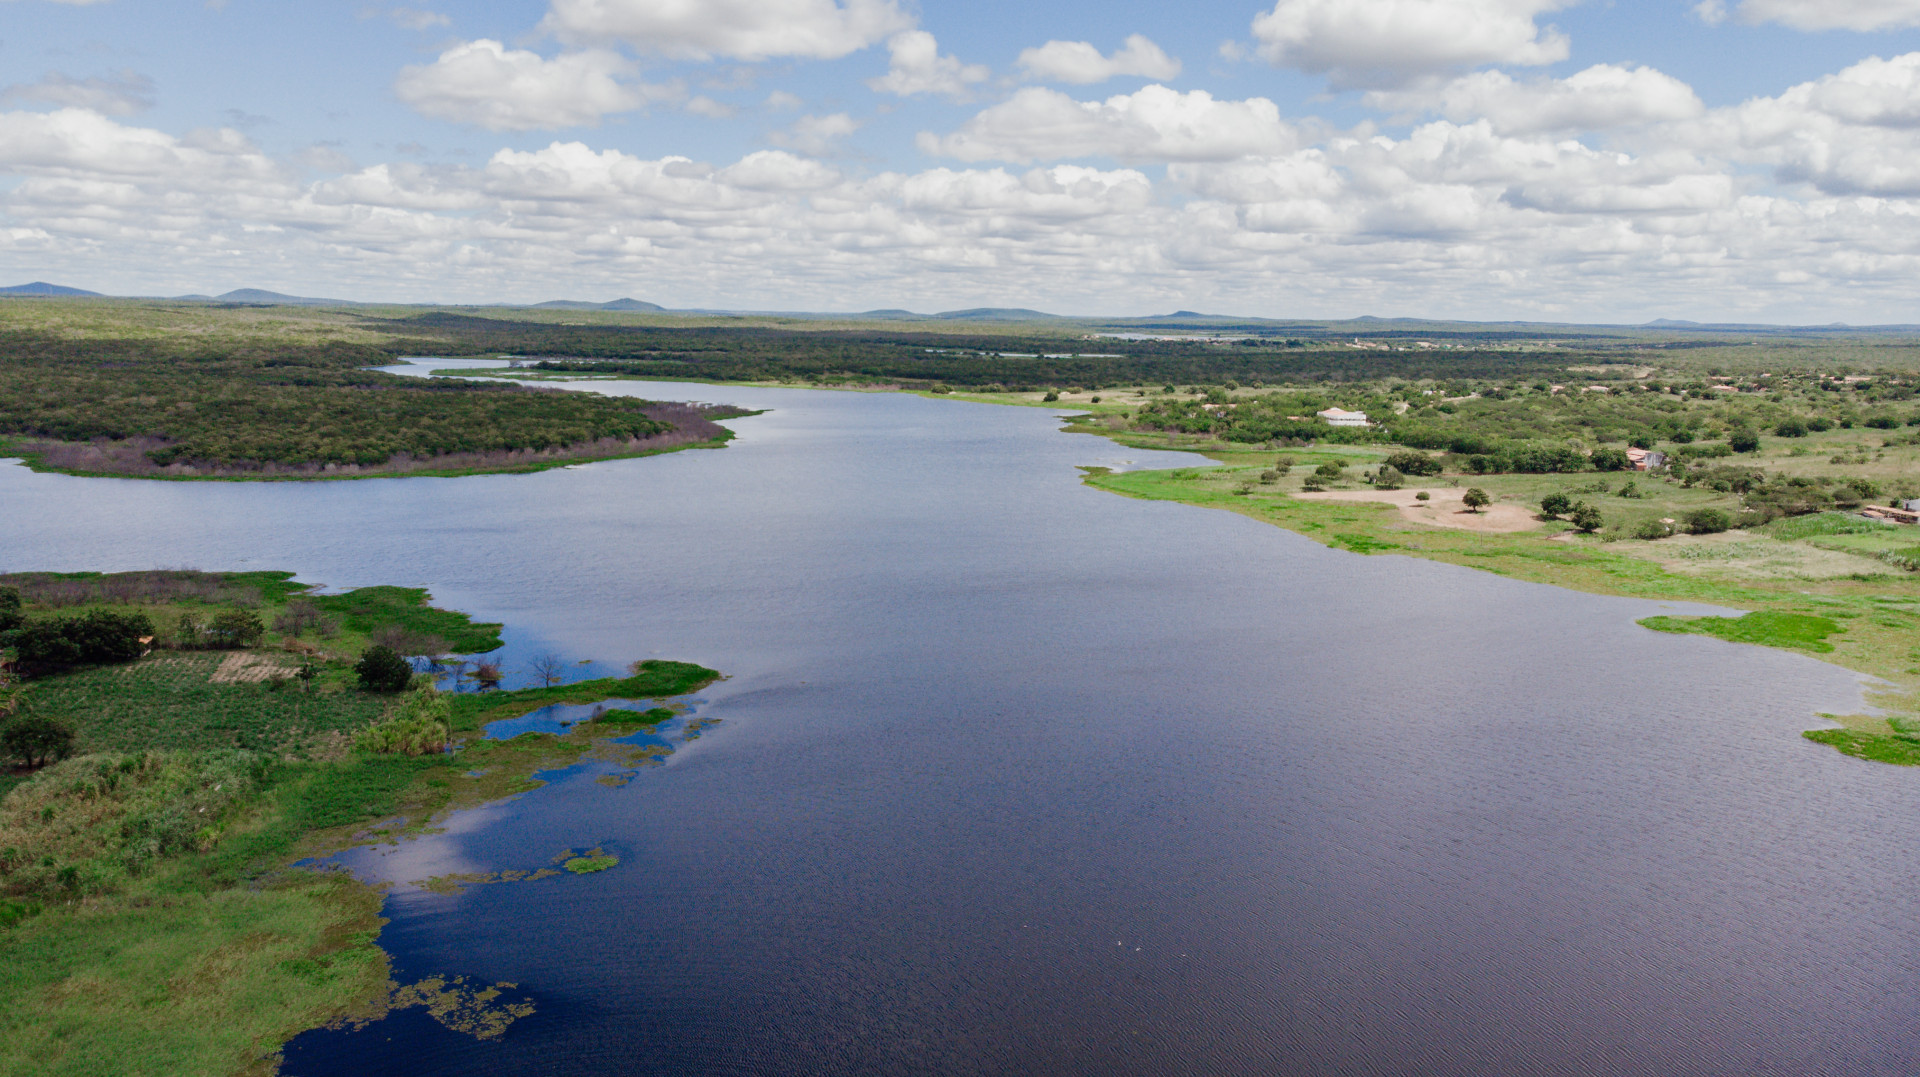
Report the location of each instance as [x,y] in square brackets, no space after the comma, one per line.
[1445,509]
[244,668]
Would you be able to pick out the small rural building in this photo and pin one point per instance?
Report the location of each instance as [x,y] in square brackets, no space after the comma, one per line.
[1912,504]
[1336,417]
[1897,516]
[1646,459]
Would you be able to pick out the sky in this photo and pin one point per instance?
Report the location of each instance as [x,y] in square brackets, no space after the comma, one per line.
[1723,160]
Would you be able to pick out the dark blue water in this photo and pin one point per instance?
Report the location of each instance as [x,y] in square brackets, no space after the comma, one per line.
[1015,776]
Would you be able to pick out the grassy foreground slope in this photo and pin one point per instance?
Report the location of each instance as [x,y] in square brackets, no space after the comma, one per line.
[152,920]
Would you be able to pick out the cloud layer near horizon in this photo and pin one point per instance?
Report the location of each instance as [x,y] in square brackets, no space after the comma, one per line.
[1487,187]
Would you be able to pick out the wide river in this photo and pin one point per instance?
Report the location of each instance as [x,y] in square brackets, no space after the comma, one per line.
[1014,776]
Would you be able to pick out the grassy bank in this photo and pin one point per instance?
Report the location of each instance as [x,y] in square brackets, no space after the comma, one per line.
[152,920]
[1810,590]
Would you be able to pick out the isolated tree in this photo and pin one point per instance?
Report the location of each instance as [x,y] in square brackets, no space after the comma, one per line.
[1555,505]
[1586,518]
[381,669]
[1475,499]
[234,630]
[1610,460]
[36,739]
[549,668]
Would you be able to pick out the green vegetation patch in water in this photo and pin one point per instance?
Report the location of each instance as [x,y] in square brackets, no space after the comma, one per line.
[622,716]
[1769,628]
[586,865]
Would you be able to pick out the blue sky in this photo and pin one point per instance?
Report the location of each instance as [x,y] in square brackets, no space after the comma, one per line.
[1749,159]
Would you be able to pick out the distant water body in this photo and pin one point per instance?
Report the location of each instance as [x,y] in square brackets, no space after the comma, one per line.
[1014,776]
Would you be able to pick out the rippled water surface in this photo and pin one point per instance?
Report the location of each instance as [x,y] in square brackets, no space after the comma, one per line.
[1015,776]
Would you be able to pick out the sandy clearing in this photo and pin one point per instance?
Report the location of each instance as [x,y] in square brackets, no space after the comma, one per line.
[1446,509]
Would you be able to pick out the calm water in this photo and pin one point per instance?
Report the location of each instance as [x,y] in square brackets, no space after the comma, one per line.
[1015,776]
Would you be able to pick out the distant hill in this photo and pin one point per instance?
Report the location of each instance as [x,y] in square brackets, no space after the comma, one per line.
[618,304]
[995,314]
[41,287]
[258,295]
[890,312]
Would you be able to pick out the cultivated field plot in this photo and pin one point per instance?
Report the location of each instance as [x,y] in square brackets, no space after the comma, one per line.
[173,700]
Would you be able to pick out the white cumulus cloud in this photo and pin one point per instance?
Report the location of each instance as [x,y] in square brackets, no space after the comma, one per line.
[1395,42]
[1078,62]
[1600,97]
[1861,15]
[1152,124]
[1856,131]
[486,84]
[738,29]
[916,67]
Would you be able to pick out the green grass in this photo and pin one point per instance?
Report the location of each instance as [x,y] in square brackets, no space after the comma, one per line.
[621,716]
[586,865]
[1797,631]
[1875,747]
[166,700]
[1824,523]
[652,679]
[368,609]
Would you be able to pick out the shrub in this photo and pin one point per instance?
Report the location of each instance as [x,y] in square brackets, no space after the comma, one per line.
[418,726]
[1631,490]
[94,636]
[1586,518]
[1555,505]
[1790,428]
[35,739]
[1423,496]
[1269,477]
[1052,395]
[1743,441]
[1610,460]
[1330,471]
[1388,478]
[1708,521]
[1414,463]
[11,616]
[1681,437]
[234,630]
[1653,529]
[381,669]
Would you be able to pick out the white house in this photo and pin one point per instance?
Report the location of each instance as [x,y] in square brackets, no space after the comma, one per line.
[1336,417]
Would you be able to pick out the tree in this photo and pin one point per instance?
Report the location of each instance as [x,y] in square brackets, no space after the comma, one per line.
[1586,518]
[36,739]
[1330,472]
[11,615]
[234,630]
[1555,505]
[381,669]
[1388,478]
[1475,499]
[1743,441]
[1708,521]
[549,667]
[1414,463]
[1610,460]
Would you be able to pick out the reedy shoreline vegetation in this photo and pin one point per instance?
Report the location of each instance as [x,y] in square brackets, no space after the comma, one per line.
[151,918]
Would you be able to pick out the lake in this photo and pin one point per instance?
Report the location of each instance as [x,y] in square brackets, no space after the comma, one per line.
[1016,776]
